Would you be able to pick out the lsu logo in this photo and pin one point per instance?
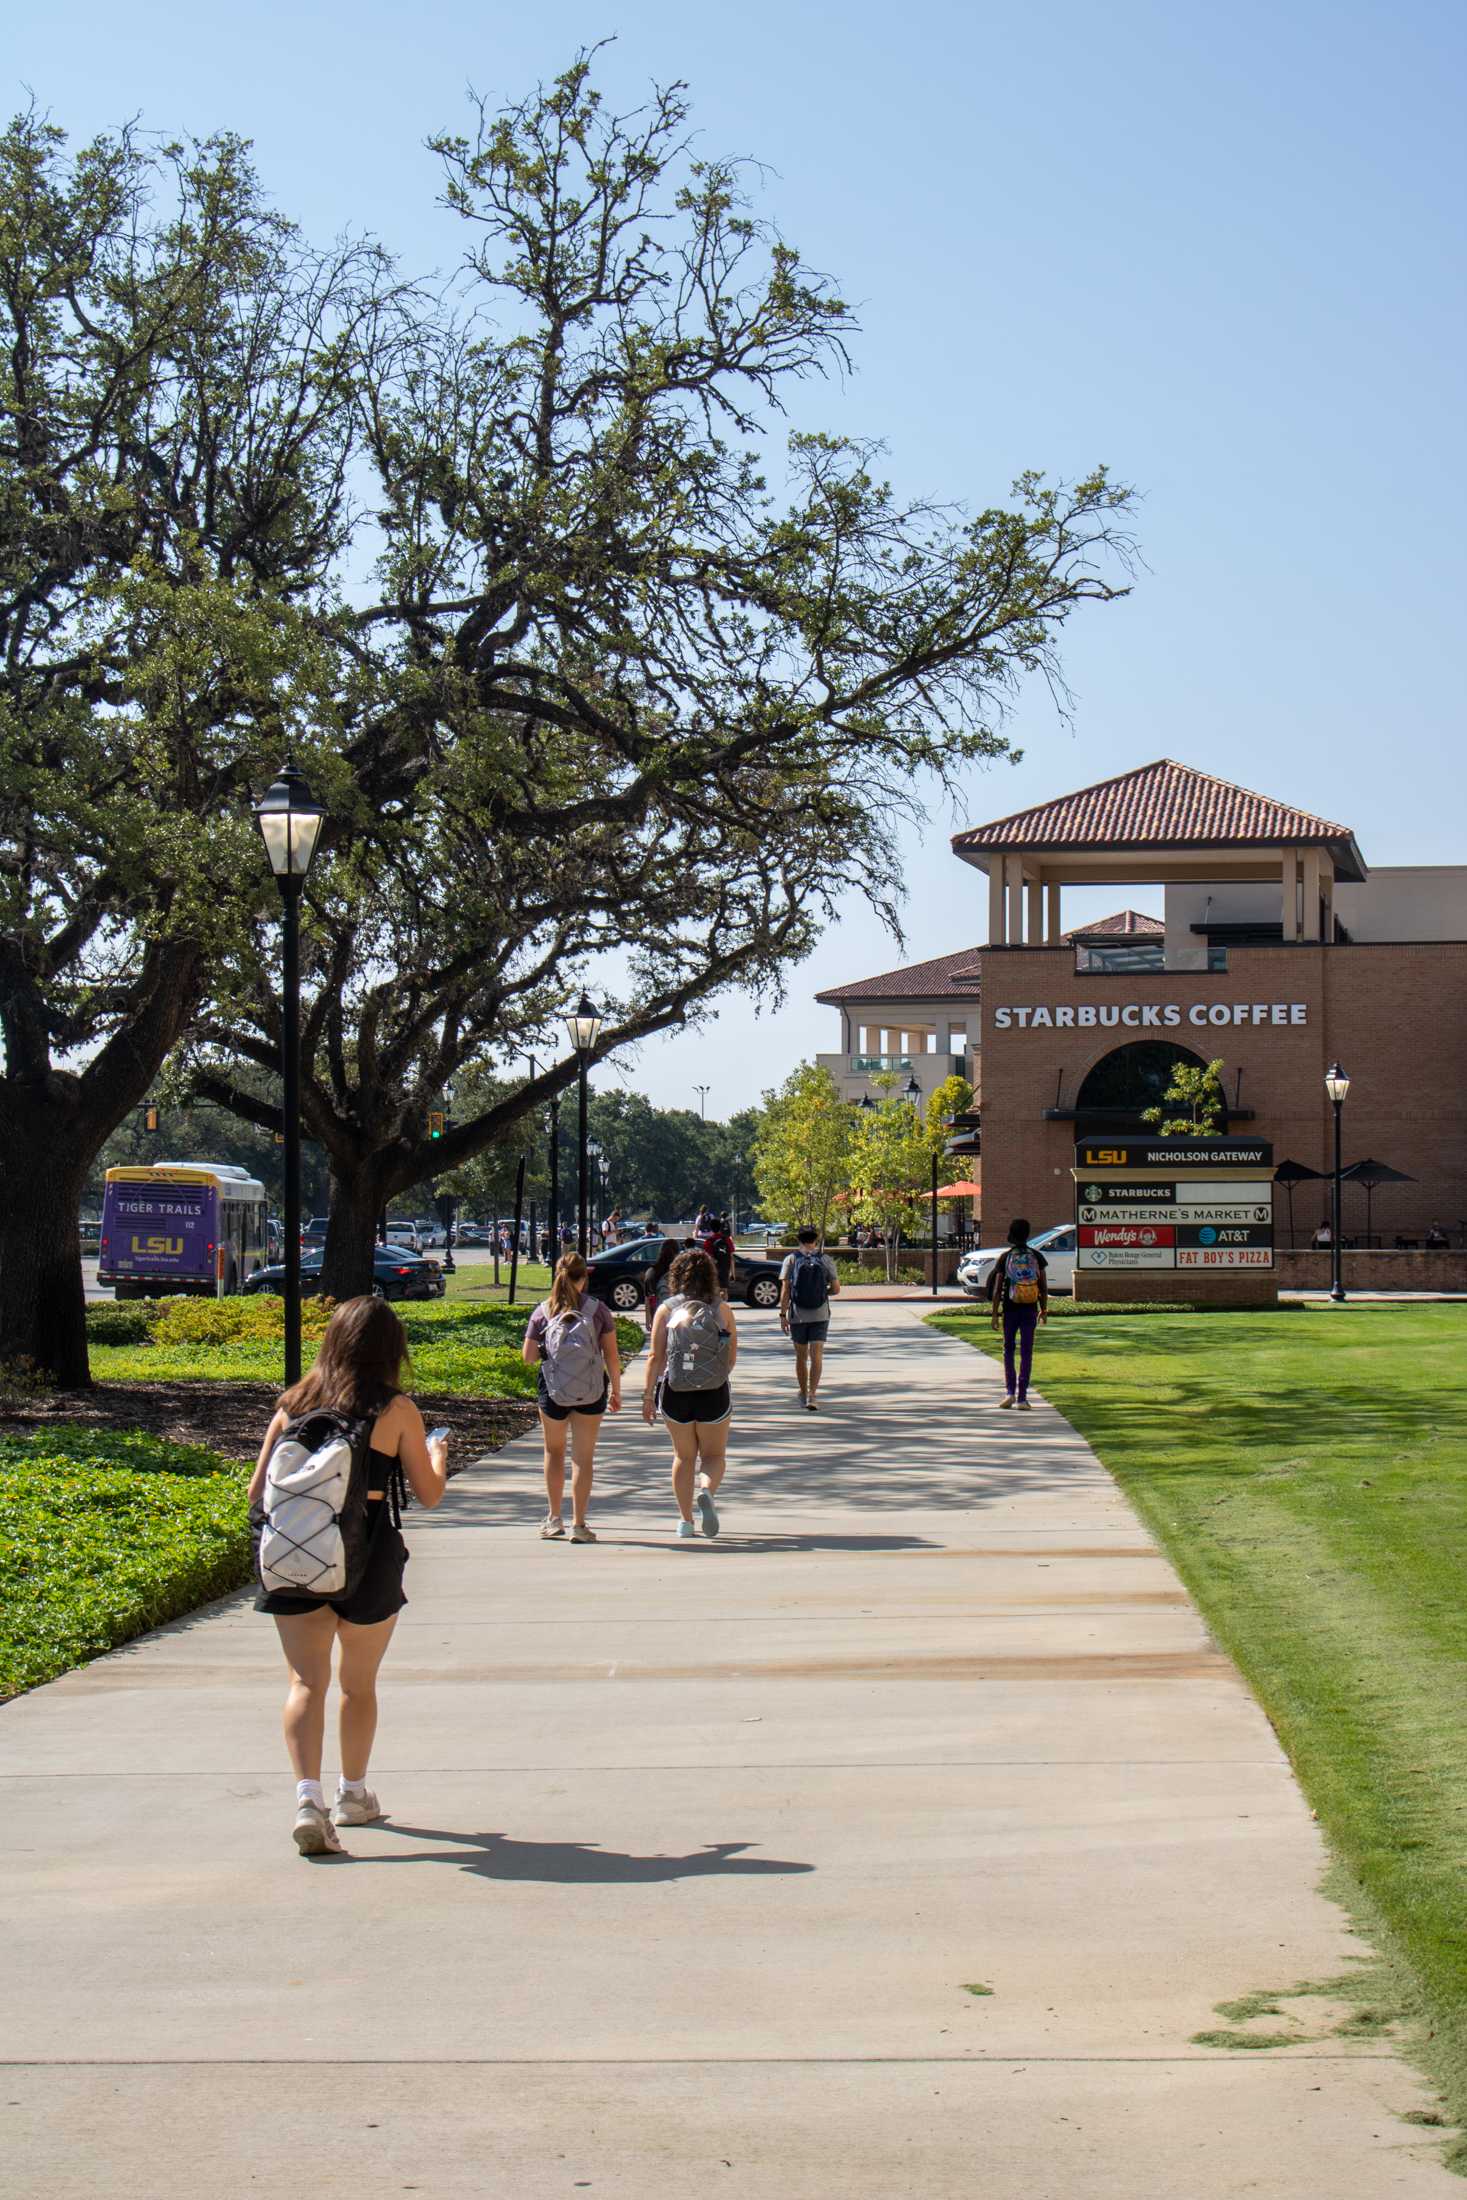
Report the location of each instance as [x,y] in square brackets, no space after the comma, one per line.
[1105,1157]
[157,1245]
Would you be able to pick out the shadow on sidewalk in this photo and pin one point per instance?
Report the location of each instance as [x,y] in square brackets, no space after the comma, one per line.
[579,1863]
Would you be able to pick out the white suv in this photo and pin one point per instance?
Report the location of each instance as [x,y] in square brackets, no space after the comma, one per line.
[1057,1244]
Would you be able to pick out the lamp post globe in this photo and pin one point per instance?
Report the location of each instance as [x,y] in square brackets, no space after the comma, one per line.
[914,1091]
[290,825]
[1337,1086]
[583,1025]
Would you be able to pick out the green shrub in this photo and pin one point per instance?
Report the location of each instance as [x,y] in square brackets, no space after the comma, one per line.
[254,1319]
[104,1534]
[122,1321]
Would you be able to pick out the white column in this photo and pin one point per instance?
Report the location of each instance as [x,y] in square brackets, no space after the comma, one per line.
[997,929]
[1290,874]
[1034,929]
[1014,874]
[1052,925]
[1311,893]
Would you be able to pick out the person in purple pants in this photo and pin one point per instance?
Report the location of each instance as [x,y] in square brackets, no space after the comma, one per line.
[1019,1295]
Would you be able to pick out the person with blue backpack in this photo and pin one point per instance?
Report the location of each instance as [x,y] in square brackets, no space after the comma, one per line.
[693,1349]
[571,1339]
[807,1284]
[1019,1295]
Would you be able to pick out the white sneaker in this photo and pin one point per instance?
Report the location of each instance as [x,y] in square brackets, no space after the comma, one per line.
[707,1513]
[313,1832]
[686,1532]
[359,1808]
[1006,1405]
[580,1533]
[551,1527]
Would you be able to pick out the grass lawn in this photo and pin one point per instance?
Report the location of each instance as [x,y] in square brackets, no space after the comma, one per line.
[1306,1471]
[102,1535]
[473,1281]
[466,1346]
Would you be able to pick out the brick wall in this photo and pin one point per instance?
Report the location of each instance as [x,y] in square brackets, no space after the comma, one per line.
[1395,1015]
[1382,1270]
[1248,1287]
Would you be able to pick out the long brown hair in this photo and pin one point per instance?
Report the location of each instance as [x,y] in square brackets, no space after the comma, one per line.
[571,1277]
[360,1365]
[694,1276]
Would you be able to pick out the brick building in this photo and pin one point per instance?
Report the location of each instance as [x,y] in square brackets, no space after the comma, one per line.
[1279,952]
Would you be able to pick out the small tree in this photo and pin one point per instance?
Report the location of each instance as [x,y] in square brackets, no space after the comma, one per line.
[802,1148]
[1195,1105]
[891,1155]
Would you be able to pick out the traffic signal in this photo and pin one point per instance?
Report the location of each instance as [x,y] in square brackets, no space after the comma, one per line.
[436,1120]
[150,1119]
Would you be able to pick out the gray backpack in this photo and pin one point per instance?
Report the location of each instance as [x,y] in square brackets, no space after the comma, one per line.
[575,1373]
[697,1345]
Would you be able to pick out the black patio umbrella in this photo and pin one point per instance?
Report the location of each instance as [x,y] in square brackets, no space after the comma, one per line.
[1370,1173]
[1290,1173]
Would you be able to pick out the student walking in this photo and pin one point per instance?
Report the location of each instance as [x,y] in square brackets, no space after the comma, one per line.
[807,1284]
[326,1504]
[1019,1294]
[571,1338]
[694,1347]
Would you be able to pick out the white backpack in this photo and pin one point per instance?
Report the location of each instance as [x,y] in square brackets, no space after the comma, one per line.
[313,1537]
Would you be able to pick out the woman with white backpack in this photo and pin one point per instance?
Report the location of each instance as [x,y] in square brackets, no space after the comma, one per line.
[571,1338]
[694,1347]
[325,1500]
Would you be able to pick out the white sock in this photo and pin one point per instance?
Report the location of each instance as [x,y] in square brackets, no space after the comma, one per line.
[349,1787]
[309,1791]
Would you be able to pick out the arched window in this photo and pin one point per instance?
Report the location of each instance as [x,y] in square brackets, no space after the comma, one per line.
[1131,1079]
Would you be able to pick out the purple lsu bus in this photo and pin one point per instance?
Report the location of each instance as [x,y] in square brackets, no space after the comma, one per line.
[181,1228]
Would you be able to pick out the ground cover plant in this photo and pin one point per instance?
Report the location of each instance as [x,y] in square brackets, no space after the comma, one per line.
[103,1534]
[460,1347]
[1306,1471]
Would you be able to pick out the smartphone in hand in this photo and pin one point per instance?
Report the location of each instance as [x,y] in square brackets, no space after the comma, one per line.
[437,1436]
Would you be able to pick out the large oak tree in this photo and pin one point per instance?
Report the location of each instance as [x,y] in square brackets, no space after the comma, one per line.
[639,678]
[177,383]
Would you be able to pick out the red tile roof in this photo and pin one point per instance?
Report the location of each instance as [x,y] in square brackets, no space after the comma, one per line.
[1124,922]
[1162,805]
[952,977]
[956,977]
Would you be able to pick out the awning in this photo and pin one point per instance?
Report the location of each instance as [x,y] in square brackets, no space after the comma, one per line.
[960,1191]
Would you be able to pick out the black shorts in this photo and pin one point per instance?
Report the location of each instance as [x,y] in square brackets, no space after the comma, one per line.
[553,1412]
[707,1406]
[377,1596]
[809,1332]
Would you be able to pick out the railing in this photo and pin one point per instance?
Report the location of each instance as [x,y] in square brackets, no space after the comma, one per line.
[872,1065]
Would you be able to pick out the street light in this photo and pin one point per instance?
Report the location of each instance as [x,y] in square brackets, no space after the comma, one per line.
[1337,1085]
[290,825]
[702,1091]
[584,1026]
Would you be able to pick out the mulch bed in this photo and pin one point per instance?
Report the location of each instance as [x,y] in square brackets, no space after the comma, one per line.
[232,1417]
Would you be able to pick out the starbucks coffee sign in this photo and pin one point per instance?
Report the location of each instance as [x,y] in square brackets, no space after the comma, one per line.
[1150,1015]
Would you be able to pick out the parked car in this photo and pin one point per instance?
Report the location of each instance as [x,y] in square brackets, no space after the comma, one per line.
[404,1233]
[470,1233]
[616,1275]
[397,1273]
[1057,1244]
[776,1233]
[314,1232]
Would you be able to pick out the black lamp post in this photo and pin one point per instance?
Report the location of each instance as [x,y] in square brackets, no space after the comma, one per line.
[1337,1085]
[290,825]
[598,1187]
[584,1027]
[913,1092]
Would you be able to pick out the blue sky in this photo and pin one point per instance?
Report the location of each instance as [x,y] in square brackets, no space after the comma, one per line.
[1218,248]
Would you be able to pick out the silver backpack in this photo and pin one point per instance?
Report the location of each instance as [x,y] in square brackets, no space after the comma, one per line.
[697,1345]
[575,1373]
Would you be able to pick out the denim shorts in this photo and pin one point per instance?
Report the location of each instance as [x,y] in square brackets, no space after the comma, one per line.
[809,1332]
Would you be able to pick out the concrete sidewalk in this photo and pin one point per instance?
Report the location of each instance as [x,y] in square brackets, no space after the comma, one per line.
[695,1851]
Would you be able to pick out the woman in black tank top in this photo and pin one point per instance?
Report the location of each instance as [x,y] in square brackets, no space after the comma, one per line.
[357,1372]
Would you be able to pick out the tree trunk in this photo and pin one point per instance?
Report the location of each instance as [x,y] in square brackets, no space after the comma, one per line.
[358,1196]
[42,1299]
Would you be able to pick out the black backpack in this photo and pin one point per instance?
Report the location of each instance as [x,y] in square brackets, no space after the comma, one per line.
[808,1289]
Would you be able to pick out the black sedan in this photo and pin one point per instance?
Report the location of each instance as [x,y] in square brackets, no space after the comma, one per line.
[396,1274]
[617,1276]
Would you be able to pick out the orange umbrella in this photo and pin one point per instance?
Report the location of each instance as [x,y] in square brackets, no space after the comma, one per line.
[959,1191]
